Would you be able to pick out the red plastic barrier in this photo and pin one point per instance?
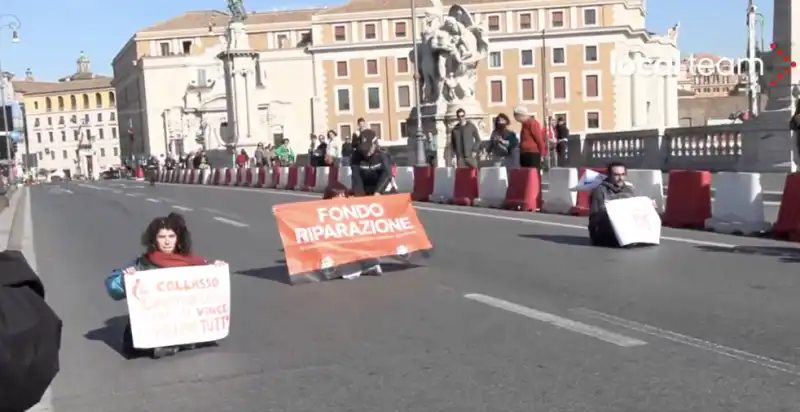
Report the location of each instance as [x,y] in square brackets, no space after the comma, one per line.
[333,177]
[249,177]
[215,178]
[524,190]
[788,224]
[139,173]
[423,184]
[262,177]
[291,179]
[228,176]
[394,171]
[688,199]
[465,188]
[187,176]
[276,176]
[309,178]
[582,204]
[195,173]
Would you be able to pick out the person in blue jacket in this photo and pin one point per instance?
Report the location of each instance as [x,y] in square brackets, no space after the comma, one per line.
[167,244]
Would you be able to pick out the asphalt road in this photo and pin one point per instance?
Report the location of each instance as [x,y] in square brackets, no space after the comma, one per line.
[703,322]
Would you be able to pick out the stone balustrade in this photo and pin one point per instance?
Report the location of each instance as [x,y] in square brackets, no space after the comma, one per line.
[715,148]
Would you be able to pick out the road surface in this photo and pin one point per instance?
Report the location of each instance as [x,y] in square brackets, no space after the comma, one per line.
[515,313]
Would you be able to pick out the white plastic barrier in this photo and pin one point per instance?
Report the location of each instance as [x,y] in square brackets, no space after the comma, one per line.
[301,178]
[444,183]
[283,180]
[323,175]
[267,178]
[492,187]
[404,179]
[207,174]
[738,204]
[198,177]
[649,183]
[346,177]
[558,198]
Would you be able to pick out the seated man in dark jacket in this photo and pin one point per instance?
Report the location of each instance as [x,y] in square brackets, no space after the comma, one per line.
[371,167]
[613,187]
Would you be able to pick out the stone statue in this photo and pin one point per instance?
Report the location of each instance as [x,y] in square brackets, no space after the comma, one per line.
[673,32]
[449,52]
[236,7]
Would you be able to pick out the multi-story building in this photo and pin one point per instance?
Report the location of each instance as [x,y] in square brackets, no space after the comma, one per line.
[707,75]
[323,69]
[71,124]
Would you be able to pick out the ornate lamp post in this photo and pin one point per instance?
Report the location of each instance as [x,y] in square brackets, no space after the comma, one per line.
[11,22]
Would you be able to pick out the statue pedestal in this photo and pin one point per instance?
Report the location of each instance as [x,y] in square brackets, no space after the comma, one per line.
[439,119]
[768,145]
[239,63]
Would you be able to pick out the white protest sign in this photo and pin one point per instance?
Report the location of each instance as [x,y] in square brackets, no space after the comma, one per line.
[634,221]
[590,180]
[178,306]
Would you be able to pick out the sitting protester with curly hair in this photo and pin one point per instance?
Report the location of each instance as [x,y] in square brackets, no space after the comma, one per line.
[168,244]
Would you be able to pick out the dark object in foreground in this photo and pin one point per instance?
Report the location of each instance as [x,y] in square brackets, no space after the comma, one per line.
[30,335]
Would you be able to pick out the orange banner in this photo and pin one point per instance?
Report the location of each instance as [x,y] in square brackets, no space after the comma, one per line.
[321,234]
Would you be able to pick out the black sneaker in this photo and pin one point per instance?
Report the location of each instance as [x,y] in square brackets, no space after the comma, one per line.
[159,353]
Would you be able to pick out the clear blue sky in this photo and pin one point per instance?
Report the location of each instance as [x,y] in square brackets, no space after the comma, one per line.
[54,32]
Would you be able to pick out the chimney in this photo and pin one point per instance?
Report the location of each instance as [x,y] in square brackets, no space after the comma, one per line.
[29,75]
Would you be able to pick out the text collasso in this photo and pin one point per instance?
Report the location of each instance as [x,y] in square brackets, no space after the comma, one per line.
[349,221]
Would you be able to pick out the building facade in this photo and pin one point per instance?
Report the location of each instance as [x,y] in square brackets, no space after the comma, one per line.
[171,84]
[71,124]
[323,69]
[719,79]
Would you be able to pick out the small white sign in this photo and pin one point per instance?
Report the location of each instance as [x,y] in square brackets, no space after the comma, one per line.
[589,181]
[179,306]
[635,221]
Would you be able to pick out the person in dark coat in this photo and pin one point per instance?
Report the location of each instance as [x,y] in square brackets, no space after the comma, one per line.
[30,335]
[465,139]
[601,232]
[371,167]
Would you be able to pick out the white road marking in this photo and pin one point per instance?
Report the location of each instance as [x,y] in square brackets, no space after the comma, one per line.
[167,200]
[230,222]
[693,342]
[117,191]
[564,323]
[149,199]
[184,208]
[132,194]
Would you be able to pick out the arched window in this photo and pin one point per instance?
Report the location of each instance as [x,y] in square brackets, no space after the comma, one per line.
[98,100]
[48,104]
[112,99]
[73,102]
[60,104]
[85,101]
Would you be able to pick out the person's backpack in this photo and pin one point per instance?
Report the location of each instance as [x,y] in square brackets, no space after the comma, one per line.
[30,335]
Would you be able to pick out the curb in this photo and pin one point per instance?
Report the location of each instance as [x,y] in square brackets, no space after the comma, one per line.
[8,217]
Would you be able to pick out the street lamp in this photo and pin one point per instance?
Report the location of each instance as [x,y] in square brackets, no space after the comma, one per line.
[11,22]
[419,143]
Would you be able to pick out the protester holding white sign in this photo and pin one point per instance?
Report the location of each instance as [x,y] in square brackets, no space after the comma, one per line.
[613,187]
[167,244]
